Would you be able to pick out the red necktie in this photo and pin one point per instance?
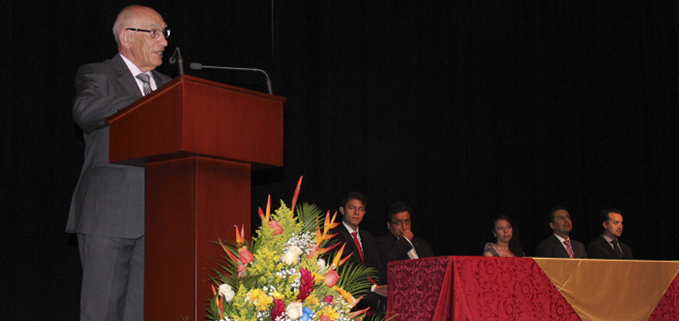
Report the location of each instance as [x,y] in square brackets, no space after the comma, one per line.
[358,245]
[568,245]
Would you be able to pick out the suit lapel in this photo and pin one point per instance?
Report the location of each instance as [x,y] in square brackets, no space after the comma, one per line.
[125,78]
[608,248]
[560,247]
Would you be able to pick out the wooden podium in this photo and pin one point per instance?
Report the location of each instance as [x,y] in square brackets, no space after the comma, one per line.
[199,141]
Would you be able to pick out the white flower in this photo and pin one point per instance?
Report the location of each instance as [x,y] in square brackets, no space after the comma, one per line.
[294,310]
[321,264]
[291,257]
[226,291]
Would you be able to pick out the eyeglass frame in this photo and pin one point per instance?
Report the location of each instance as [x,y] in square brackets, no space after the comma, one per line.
[165,32]
[399,223]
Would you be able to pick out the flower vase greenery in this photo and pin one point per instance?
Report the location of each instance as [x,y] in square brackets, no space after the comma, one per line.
[281,275]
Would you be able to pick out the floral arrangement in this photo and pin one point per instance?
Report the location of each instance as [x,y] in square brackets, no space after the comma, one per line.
[281,274]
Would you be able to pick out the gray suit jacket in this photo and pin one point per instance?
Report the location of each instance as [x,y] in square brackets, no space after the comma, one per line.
[109,198]
[551,247]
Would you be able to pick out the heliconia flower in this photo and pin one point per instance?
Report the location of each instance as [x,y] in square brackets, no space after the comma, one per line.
[356,314]
[265,216]
[241,266]
[329,224]
[240,235]
[296,195]
[338,261]
[278,309]
[219,302]
[306,284]
[331,278]
[276,227]
[328,299]
[220,307]
[323,235]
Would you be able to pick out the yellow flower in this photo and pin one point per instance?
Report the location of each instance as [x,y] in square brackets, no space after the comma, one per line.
[317,277]
[263,302]
[254,294]
[330,312]
[277,295]
[311,299]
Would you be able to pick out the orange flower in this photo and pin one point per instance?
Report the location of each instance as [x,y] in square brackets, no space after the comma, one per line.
[294,197]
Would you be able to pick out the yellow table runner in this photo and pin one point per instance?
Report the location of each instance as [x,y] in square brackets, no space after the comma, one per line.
[610,289]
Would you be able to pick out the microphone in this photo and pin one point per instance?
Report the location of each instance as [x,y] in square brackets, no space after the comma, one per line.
[199,66]
[173,60]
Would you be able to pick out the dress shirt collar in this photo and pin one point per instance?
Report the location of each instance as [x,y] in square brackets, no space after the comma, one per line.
[561,239]
[134,70]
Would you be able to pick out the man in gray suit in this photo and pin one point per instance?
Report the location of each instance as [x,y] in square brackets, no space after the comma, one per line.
[107,208]
[560,244]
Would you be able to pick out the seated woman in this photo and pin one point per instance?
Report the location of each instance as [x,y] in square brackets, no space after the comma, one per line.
[506,243]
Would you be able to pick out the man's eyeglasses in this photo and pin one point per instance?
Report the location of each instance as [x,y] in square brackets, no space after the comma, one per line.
[397,223]
[155,33]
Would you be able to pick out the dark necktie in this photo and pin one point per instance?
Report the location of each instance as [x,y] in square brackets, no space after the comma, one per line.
[358,245]
[145,80]
[618,251]
[568,245]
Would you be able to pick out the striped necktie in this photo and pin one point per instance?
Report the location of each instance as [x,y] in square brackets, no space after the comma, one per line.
[570,250]
[145,80]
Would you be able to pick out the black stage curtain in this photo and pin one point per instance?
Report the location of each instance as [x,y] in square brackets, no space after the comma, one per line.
[464,109]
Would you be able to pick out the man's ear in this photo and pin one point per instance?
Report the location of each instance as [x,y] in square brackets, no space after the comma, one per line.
[551,225]
[123,37]
[342,210]
[605,225]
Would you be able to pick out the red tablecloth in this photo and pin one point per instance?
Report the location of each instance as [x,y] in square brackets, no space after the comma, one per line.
[487,288]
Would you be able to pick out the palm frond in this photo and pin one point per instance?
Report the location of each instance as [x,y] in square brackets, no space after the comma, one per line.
[311,215]
[354,278]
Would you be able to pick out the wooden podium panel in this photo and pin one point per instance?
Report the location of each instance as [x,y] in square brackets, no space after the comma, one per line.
[198,141]
[193,116]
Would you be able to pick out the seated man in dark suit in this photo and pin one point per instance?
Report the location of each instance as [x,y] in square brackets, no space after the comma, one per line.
[400,243]
[362,244]
[559,244]
[607,245]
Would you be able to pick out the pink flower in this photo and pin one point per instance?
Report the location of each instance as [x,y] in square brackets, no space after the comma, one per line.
[245,255]
[331,278]
[324,318]
[328,299]
[276,227]
[306,284]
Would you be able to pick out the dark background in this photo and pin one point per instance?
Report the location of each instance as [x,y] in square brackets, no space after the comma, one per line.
[464,109]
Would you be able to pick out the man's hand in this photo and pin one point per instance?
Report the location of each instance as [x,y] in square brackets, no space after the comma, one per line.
[381,290]
[408,234]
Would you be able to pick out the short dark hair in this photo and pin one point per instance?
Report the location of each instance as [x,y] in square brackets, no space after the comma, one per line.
[353,196]
[603,216]
[551,213]
[397,207]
